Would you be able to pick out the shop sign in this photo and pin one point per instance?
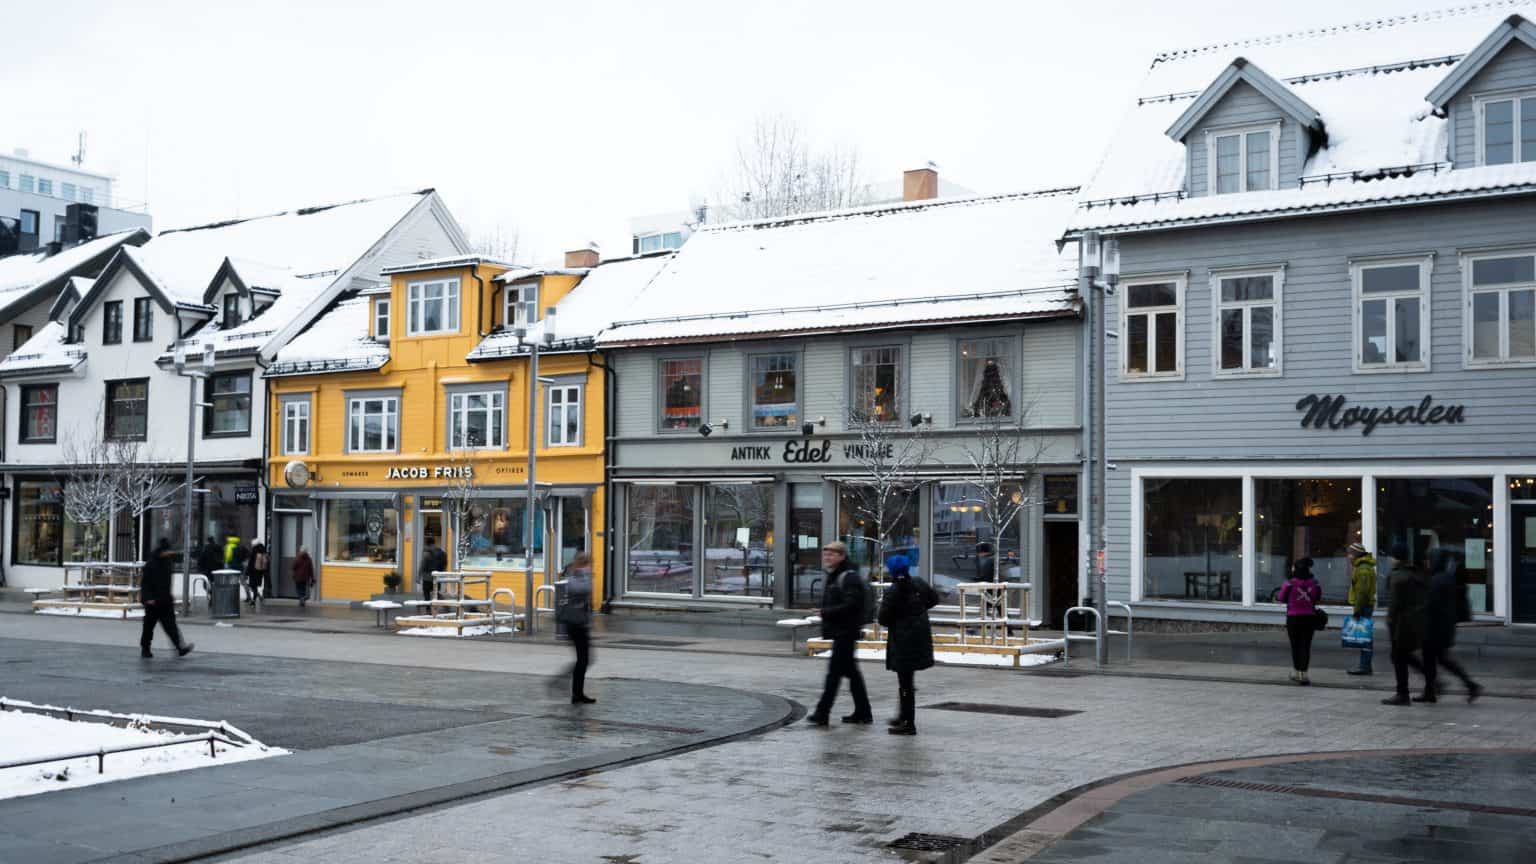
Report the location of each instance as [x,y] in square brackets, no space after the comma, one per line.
[1329,412]
[807,452]
[430,472]
[245,494]
[431,504]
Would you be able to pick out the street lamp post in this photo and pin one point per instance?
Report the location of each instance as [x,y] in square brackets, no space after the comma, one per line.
[1097,259]
[530,304]
[192,374]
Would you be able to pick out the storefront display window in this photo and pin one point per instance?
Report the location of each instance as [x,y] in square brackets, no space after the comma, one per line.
[573,529]
[805,576]
[682,389]
[964,546]
[1424,516]
[738,539]
[497,535]
[986,378]
[660,536]
[858,525]
[361,531]
[39,522]
[1315,519]
[1192,539]
[775,399]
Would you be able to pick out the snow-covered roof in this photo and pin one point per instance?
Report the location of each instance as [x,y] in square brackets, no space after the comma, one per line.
[588,308]
[294,295]
[1368,83]
[337,341]
[923,262]
[21,274]
[447,261]
[46,351]
[522,273]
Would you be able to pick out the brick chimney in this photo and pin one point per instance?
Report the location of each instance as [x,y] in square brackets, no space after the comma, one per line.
[920,184]
[584,257]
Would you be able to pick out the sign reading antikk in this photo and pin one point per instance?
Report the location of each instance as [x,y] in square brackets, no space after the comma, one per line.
[434,472]
[1328,412]
[806,453]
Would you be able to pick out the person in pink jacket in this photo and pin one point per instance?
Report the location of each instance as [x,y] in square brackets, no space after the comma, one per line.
[1300,594]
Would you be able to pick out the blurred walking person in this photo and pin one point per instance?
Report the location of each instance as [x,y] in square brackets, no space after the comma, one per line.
[1362,598]
[1300,594]
[576,614]
[1447,605]
[909,637]
[159,603]
[843,602]
[433,560]
[257,565]
[1406,602]
[303,573]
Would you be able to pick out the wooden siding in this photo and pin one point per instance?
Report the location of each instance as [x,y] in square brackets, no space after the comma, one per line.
[1241,106]
[1513,67]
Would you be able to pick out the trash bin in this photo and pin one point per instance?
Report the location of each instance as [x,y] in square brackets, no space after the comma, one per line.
[560,597]
[224,593]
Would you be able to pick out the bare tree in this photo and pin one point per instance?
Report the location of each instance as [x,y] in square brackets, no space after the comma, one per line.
[889,454]
[1004,459]
[779,171]
[501,243]
[141,486]
[90,488]
[462,501]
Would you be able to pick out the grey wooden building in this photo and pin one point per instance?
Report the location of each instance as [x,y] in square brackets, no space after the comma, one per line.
[1326,328]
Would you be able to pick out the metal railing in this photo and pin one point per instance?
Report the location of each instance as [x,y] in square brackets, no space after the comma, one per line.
[222,733]
[1067,636]
[511,599]
[101,753]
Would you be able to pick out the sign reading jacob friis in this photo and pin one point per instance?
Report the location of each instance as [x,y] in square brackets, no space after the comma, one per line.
[429,472]
[1329,412]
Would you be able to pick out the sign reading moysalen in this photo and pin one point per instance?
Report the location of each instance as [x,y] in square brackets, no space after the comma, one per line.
[1330,412]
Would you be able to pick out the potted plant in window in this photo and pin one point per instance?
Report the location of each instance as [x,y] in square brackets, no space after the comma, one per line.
[392,581]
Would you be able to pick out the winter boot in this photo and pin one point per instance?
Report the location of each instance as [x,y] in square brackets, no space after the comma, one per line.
[184,649]
[908,725]
[145,653]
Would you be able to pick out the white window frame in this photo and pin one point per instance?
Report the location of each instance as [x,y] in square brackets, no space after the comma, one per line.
[459,411]
[45,186]
[1479,112]
[1468,291]
[1242,132]
[550,427]
[381,318]
[1357,267]
[1180,285]
[1277,346]
[67,191]
[389,410]
[416,307]
[514,307]
[296,418]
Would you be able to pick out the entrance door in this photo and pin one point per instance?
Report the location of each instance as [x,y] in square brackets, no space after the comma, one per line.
[432,523]
[1060,571]
[1523,566]
[292,532]
[805,545]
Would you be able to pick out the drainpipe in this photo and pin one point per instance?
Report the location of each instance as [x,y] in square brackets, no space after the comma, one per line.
[266,444]
[610,388]
[474,273]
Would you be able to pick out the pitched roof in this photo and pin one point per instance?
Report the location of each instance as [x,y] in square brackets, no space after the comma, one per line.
[338,340]
[46,352]
[919,263]
[1515,28]
[1384,143]
[30,278]
[1241,71]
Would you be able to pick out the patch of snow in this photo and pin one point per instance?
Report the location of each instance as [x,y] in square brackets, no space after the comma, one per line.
[961,659]
[45,350]
[30,736]
[339,339]
[589,307]
[451,633]
[134,612]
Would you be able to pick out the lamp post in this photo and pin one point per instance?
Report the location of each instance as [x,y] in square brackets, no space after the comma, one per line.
[530,305]
[1097,259]
[192,374]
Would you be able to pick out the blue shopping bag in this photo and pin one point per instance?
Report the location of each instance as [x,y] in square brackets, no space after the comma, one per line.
[1358,631]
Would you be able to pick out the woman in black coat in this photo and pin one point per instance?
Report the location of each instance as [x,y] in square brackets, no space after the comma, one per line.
[909,636]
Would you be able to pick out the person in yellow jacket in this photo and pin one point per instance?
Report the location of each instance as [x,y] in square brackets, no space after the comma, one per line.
[1362,596]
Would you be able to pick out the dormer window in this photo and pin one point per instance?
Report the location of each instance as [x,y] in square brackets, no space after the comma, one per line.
[1506,128]
[381,319]
[231,311]
[1246,159]
[518,299]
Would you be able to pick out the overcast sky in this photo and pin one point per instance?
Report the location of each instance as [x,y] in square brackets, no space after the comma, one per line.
[562,119]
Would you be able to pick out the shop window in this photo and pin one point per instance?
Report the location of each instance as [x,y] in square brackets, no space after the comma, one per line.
[1247,322]
[381,319]
[1243,160]
[1151,329]
[229,411]
[112,322]
[39,522]
[373,424]
[876,526]
[805,575]
[1391,314]
[39,413]
[986,377]
[1192,539]
[682,393]
[477,420]
[143,319]
[1502,310]
[775,391]
[965,546]
[1507,128]
[361,531]
[496,536]
[1315,519]
[876,384]
[573,530]
[738,539]
[563,415]
[432,307]
[127,409]
[1445,521]
[295,427]
[660,539]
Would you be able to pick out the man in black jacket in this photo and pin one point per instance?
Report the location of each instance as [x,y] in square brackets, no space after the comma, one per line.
[843,605]
[433,560]
[159,604]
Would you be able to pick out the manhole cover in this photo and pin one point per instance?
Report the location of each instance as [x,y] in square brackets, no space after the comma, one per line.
[649,643]
[1006,710]
[929,842]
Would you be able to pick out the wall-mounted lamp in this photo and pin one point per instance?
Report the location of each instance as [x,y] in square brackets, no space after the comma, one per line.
[809,427]
[706,430]
[920,418]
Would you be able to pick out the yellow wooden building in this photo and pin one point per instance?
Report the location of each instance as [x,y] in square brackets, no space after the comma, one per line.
[404,400]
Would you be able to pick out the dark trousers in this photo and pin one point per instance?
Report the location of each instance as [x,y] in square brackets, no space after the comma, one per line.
[581,640]
[1436,656]
[1300,629]
[164,612]
[1401,661]
[906,679]
[843,665]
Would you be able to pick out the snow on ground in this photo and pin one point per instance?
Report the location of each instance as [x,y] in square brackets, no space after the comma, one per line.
[961,659]
[135,612]
[483,630]
[29,736]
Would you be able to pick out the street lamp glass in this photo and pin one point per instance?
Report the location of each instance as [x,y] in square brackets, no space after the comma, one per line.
[1111,258]
[208,357]
[1090,251]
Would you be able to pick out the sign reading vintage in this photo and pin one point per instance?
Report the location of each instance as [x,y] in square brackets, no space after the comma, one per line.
[804,452]
[1329,412]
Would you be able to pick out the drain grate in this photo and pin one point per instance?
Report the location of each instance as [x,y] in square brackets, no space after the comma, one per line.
[1309,792]
[1005,710]
[928,842]
[649,643]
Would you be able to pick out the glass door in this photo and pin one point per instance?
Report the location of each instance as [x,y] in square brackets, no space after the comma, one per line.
[805,576]
[292,528]
[431,531]
[1523,566]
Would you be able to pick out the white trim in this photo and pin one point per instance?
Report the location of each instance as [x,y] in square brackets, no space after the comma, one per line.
[390,413]
[1468,292]
[1242,132]
[381,314]
[453,307]
[1180,283]
[1250,529]
[286,404]
[549,413]
[1275,303]
[458,409]
[1425,262]
[1502,562]
[1479,111]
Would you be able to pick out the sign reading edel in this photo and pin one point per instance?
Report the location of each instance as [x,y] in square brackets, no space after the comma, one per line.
[1328,412]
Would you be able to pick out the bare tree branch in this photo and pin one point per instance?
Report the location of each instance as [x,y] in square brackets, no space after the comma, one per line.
[141,486]
[1004,458]
[778,171]
[90,485]
[889,455]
